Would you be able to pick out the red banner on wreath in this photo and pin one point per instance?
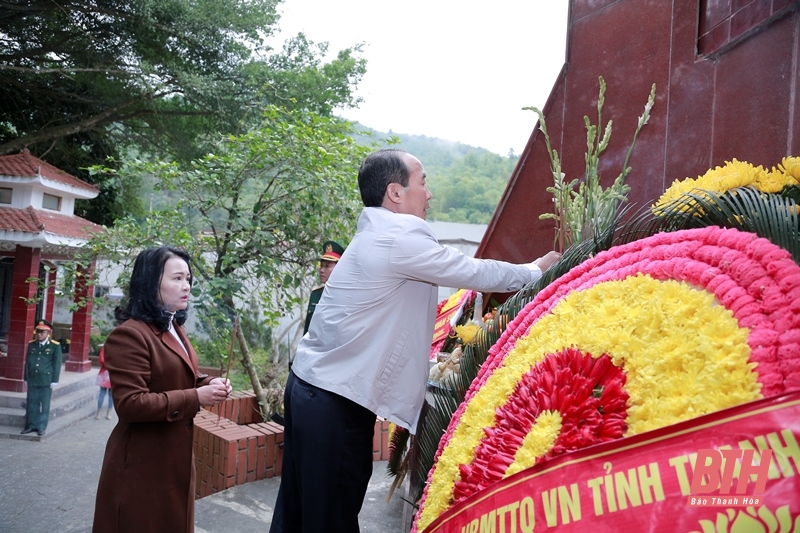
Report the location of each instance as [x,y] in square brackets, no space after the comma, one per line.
[644,483]
[443,325]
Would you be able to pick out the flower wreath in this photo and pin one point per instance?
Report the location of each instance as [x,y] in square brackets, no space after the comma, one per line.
[642,336]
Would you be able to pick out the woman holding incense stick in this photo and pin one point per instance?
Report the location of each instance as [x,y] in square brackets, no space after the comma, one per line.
[147,479]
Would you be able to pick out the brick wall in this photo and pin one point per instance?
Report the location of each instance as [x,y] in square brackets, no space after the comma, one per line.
[380,441]
[237,447]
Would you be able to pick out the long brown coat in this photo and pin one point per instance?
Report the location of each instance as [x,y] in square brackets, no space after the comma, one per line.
[147,480]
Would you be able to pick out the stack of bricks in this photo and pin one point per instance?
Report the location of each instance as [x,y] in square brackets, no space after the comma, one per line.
[232,445]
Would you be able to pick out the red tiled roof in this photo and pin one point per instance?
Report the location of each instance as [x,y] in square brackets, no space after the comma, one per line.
[12,219]
[30,220]
[26,165]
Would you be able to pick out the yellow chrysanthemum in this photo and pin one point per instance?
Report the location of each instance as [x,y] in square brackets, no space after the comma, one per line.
[790,166]
[773,182]
[732,175]
[537,442]
[787,174]
[467,332]
[675,191]
[454,300]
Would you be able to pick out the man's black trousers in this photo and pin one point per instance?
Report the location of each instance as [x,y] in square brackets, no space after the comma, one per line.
[327,461]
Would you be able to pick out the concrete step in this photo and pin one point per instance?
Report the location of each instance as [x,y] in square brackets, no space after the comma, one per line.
[60,406]
[11,400]
[68,382]
[74,399]
[54,426]
[71,384]
[10,416]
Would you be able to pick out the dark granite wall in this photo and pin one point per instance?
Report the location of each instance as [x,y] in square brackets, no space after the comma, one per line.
[727,86]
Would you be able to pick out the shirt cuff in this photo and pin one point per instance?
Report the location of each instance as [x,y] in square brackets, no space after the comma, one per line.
[536,272]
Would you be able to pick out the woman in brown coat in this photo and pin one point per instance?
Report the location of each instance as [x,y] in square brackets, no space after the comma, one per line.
[147,480]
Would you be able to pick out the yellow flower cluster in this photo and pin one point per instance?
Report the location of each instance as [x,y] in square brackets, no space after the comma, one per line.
[454,300]
[537,442]
[732,175]
[790,167]
[684,356]
[467,332]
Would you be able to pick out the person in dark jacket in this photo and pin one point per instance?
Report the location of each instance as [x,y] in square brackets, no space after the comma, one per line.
[42,370]
[331,253]
[147,478]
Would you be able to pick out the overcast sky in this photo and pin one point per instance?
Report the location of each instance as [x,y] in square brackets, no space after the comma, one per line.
[444,68]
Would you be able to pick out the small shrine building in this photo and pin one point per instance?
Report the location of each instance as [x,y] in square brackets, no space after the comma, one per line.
[38,232]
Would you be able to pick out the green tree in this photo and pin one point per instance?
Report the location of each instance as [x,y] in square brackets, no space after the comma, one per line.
[469,188]
[252,215]
[81,80]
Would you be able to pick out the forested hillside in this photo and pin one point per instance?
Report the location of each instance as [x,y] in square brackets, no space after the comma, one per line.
[466,182]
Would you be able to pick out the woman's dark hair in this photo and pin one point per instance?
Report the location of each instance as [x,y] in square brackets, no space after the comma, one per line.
[143,302]
[377,171]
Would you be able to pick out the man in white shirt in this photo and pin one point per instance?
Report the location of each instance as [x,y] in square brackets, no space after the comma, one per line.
[366,354]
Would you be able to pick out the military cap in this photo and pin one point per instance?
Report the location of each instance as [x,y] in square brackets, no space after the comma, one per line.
[331,251]
[43,324]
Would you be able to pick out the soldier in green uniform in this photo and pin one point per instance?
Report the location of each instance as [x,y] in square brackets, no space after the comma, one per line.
[42,369]
[331,253]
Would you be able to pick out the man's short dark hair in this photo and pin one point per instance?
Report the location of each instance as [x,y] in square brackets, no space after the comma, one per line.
[377,171]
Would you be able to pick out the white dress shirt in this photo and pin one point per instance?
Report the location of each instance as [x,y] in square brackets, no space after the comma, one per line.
[371,332]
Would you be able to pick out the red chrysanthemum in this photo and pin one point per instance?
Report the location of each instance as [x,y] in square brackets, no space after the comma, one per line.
[588,393]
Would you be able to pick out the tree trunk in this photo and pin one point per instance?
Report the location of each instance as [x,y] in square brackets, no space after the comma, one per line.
[247,362]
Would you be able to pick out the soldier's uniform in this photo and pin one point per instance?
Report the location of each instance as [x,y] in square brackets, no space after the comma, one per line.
[331,251]
[42,368]
[313,300]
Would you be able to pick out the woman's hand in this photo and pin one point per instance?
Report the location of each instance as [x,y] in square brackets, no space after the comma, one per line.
[216,391]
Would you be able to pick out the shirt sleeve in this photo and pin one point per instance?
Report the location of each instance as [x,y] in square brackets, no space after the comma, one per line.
[418,255]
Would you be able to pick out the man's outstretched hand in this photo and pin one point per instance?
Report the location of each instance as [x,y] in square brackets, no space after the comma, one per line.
[547,260]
